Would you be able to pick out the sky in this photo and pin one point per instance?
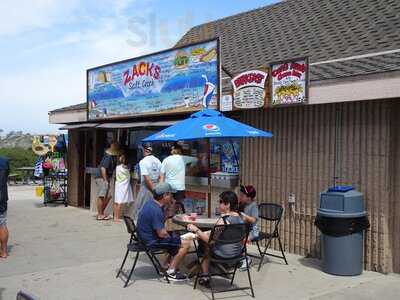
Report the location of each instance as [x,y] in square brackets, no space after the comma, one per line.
[46,46]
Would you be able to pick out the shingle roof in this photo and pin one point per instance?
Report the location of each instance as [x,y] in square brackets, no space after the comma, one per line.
[320,29]
[71,107]
[323,30]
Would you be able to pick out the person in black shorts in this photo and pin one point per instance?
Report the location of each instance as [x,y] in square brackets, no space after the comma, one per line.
[152,231]
[4,172]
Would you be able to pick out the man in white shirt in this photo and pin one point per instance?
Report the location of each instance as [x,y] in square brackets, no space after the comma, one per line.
[173,171]
[150,174]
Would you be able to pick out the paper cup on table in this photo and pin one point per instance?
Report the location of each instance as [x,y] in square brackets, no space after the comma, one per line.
[193,216]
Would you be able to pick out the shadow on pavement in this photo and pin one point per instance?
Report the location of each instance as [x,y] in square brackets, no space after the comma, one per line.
[311,263]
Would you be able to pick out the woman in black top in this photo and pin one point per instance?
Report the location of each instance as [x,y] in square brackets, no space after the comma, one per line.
[228,206]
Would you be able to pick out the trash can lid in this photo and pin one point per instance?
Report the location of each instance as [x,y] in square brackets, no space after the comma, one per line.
[335,214]
[341,188]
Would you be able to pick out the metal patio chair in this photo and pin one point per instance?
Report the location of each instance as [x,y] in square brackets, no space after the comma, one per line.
[137,246]
[25,296]
[227,234]
[272,214]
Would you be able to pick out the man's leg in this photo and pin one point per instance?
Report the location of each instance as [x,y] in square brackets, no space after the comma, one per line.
[3,241]
[183,250]
[100,210]
[105,202]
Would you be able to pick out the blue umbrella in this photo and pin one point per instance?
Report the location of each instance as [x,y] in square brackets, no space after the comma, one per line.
[207,123]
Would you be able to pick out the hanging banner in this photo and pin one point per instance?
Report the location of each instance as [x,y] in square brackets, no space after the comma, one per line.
[249,89]
[289,82]
[176,80]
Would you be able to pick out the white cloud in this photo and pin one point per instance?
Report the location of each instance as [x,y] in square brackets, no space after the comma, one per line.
[53,74]
[29,95]
[19,16]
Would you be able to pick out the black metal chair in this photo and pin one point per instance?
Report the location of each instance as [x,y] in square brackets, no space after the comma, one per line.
[223,235]
[137,246]
[25,296]
[271,213]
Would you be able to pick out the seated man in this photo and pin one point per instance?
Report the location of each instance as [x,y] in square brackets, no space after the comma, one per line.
[151,229]
[249,214]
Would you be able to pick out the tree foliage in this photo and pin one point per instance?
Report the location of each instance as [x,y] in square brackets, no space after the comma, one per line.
[19,157]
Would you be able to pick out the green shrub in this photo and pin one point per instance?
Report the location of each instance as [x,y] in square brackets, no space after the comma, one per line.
[19,157]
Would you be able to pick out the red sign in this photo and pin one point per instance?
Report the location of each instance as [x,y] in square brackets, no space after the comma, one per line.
[249,89]
[289,82]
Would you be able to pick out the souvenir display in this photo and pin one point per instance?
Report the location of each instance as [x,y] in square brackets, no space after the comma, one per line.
[51,167]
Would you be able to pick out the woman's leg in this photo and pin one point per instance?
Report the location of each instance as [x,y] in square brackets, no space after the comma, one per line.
[205,263]
[117,209]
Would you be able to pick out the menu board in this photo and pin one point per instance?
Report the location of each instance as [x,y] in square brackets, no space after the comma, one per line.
[289,82]
[249,89]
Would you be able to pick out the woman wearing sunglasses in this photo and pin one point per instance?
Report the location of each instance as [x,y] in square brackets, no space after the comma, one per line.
[228,206]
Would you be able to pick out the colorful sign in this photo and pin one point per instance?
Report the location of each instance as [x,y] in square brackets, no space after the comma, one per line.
[195,202]
[289,82]
[249,89]
[176,80]
[229,158]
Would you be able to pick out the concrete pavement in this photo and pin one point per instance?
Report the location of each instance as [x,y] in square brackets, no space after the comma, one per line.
[63,253]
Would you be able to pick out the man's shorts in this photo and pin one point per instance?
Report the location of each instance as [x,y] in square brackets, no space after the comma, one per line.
[102,187]
[170,244]
[3,219]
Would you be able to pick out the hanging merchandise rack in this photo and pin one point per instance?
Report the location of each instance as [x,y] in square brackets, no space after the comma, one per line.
[55,179]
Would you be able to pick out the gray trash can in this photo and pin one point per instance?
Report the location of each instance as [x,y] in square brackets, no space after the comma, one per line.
[342,219]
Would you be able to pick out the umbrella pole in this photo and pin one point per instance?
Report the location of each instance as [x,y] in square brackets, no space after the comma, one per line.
[236,159]
[209,180]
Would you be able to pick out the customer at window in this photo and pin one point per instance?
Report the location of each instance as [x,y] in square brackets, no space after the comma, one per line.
[123,188]
[151,229]
[149,167]
[103,179]
[173,171]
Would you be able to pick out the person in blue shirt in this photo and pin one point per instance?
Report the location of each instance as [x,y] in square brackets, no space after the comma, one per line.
[151,230]
[4,172]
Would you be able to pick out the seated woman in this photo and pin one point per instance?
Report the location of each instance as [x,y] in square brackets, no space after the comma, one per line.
[228,206]
[249,213]
[249,209]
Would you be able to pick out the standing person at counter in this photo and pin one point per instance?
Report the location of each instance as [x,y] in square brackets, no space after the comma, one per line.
[173,171]
[103,178]
[149,167]
[123,188]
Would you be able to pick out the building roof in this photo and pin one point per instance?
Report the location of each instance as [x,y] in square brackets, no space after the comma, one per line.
[323,30]
[79,106]
[342,38]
